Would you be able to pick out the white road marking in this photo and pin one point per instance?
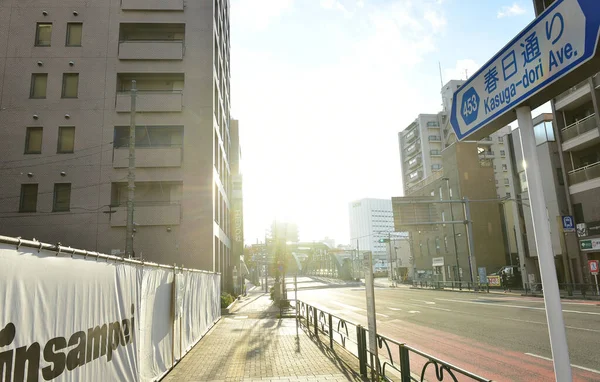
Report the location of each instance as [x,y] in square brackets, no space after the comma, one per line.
[347,306]
[587,330]
[550,359]
[394,308]
[382,315]
[413,311]
[426,302]
[514,306]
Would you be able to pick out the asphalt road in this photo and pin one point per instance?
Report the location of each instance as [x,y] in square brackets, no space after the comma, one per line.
[500,337]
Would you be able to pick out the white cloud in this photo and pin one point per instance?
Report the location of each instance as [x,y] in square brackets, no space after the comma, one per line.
[258,14]
[461,70]
[513,10]
[437,21]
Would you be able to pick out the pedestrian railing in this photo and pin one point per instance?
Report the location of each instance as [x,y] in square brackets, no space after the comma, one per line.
[565,290]
[394,360]
[454,285]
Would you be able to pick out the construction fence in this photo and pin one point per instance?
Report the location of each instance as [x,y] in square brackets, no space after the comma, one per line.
[73,315]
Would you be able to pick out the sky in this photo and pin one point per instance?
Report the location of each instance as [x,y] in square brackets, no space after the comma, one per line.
[322,87]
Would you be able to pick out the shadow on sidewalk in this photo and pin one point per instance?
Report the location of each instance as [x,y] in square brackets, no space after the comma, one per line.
[345,362]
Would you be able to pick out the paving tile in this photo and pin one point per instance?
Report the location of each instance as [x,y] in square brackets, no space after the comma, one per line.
[254,345]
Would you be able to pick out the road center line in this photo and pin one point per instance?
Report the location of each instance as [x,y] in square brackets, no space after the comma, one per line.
[514,306]
[550,359]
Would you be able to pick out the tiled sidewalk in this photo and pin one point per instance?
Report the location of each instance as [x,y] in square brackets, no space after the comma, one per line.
[252,344]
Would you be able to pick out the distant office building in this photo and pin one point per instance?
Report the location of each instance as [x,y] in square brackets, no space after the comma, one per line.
[237,200]
[371,220]
[65,114]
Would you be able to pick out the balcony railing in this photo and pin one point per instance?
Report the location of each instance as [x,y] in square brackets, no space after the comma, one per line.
[435,153]
[151,50]
[423,183]
[151,101]
[152,5]
[584,174]
[414,162]
[434,138]
[579,127]
[149,157]
[571,91]
[148,214]
[411,136]
[486,154]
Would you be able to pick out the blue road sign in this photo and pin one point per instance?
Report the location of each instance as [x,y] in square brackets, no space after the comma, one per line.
[556,43]
[568,224]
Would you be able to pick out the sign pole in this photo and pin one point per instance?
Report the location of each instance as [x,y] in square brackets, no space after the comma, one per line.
[597,288]
[543,241]
[371,315]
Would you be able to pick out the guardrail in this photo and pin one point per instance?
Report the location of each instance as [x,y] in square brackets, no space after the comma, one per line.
[571,290]
[458,285]
[396,359]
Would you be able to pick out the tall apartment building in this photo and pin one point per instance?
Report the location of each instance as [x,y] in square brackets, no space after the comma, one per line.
[237,200]
[577,124]
[420,149]
[371,220]
[67,71]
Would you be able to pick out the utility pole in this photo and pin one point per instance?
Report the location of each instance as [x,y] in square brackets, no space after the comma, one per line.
[131,175]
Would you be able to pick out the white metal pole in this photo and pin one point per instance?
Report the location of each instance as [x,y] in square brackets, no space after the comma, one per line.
[597,288]
[543,243]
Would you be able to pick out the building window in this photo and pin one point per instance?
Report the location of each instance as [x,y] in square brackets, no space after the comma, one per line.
[74,34]
[523,180]
[506,181]
[441,194]
[62,197]
[502,153]
[446,243]
[70,85]
[66,139]
[33,140]
[28,201]
[437,244]
[39,82]
[505,167]
[508,195]
[43,34]
[500,139]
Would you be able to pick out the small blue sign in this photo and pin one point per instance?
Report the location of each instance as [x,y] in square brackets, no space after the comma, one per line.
[568,224]
[560,40]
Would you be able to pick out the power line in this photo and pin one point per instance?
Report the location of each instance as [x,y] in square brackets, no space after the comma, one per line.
[33,157]
[57,161]
[72,188]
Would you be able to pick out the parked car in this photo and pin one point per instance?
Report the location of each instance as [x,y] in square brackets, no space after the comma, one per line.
[512,272]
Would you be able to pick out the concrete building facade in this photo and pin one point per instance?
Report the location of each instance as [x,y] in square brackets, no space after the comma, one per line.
[577,130]
[370,221]
[438,249]
[65,114]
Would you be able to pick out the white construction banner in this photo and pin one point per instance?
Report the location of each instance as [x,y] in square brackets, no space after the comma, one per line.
[76,319]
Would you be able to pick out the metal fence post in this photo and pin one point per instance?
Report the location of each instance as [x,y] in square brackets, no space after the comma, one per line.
[308,307]
[361,340]
[330,331]
[404,364]
[316,317]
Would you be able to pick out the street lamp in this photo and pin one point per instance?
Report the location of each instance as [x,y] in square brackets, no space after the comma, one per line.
[453,229]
